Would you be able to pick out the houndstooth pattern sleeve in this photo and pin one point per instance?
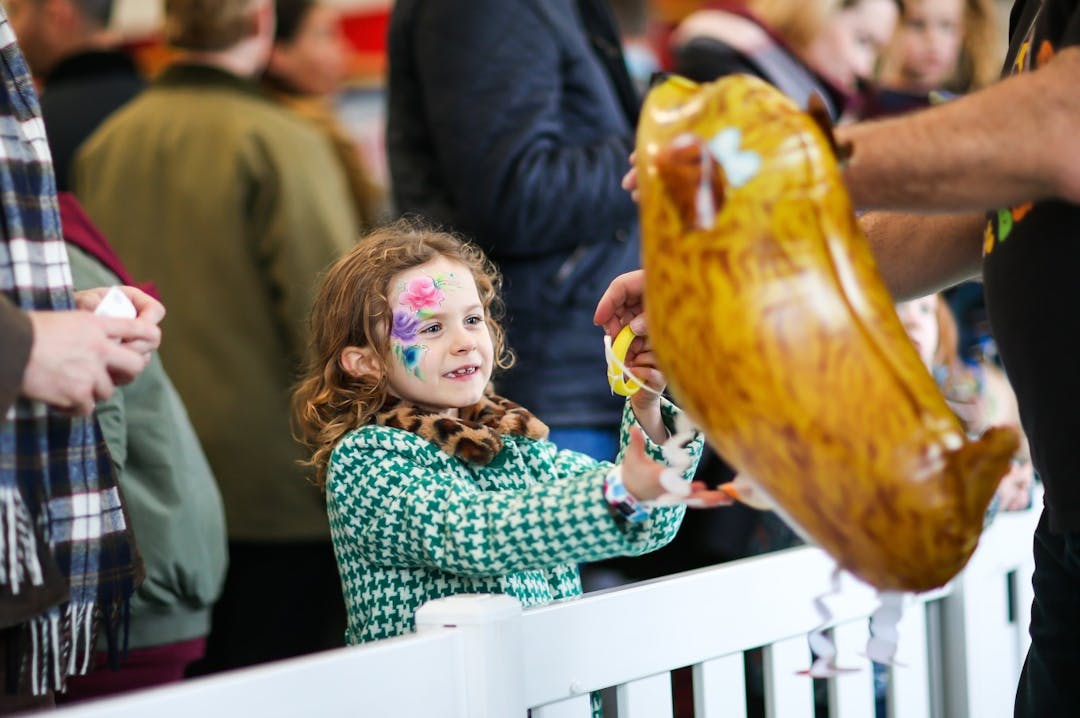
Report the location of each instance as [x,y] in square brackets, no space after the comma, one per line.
[401,502]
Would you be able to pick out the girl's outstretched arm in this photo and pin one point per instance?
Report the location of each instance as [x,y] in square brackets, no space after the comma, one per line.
[406,504]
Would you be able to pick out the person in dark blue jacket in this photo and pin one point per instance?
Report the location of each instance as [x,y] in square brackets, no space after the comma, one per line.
[511,121]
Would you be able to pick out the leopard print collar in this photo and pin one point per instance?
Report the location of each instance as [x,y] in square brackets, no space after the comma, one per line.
[475,436]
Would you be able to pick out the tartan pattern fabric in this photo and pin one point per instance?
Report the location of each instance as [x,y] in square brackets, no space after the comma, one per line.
[67,557]
[411,523]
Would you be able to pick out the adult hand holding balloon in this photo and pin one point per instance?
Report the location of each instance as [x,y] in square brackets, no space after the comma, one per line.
[780,339]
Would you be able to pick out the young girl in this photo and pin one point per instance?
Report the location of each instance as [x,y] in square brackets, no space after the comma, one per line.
[435,485]
[943,45]
[980,394]
[941,48]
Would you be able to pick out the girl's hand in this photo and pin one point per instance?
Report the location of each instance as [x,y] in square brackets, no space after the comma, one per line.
[640,474]
[641,362]
[643,479]
[622,304]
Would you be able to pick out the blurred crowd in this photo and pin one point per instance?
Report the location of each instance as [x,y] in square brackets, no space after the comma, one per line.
[224,186]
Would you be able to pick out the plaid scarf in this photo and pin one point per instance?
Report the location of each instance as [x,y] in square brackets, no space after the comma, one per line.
[67,557]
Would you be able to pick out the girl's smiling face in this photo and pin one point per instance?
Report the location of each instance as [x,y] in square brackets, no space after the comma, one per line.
[441,348]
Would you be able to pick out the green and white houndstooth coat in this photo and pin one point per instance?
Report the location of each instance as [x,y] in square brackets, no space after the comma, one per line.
[411,523]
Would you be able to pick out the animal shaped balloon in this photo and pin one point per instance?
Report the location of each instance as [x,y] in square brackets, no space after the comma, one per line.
[780,340]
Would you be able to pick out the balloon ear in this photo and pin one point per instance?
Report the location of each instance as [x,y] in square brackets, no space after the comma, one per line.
[694,179]
[819,113]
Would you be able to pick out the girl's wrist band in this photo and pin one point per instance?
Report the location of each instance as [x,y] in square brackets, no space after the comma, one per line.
[621,500]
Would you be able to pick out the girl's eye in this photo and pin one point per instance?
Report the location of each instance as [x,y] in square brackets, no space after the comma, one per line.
[474,320]
[431,329]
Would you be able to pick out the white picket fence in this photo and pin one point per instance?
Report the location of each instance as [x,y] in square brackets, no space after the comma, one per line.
[483,657]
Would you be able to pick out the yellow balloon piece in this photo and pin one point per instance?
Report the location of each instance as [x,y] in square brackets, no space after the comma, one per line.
[779,338]
[621,380]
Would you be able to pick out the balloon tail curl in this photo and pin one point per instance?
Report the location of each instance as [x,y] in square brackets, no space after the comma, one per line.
[821,644]
[881,648]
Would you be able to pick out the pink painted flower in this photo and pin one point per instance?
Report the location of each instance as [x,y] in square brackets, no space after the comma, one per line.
[421,293]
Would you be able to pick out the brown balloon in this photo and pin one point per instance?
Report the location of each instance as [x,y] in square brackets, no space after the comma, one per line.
[779,338]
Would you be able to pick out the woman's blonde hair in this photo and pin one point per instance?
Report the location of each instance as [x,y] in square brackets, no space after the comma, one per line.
[981,52]
[352,308]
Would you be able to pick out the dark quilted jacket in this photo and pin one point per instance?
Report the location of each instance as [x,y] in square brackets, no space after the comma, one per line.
[512,121]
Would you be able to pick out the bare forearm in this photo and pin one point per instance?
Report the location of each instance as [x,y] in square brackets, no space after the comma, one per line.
[1013,142]
[651,420]
[922,254]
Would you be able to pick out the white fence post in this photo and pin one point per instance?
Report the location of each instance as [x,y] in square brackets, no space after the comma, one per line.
[788,694]
[491,650]
[645,697]
[720,687]
[910,691]
[985,620]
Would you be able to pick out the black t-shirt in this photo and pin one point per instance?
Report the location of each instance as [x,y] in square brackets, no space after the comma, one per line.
[1030,257]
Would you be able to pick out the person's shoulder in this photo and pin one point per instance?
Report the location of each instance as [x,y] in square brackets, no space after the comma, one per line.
[229,106]
[145,112]
[371,455]
[278,130]
[133,111]
[264,111]
[721,26]
[713,43]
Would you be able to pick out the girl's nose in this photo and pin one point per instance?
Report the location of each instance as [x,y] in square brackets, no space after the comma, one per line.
[464,342]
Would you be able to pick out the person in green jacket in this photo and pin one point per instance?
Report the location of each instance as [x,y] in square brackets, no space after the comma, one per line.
[436,485]
[232,205]
[172,501]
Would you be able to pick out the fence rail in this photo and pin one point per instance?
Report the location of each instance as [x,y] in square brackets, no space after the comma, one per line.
[483,657]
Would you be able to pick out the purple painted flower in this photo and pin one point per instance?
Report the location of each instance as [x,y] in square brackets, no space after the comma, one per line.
[405,326]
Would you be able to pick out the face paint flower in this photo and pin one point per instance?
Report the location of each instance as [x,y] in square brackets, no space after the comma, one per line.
[405,326]
[421,293]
